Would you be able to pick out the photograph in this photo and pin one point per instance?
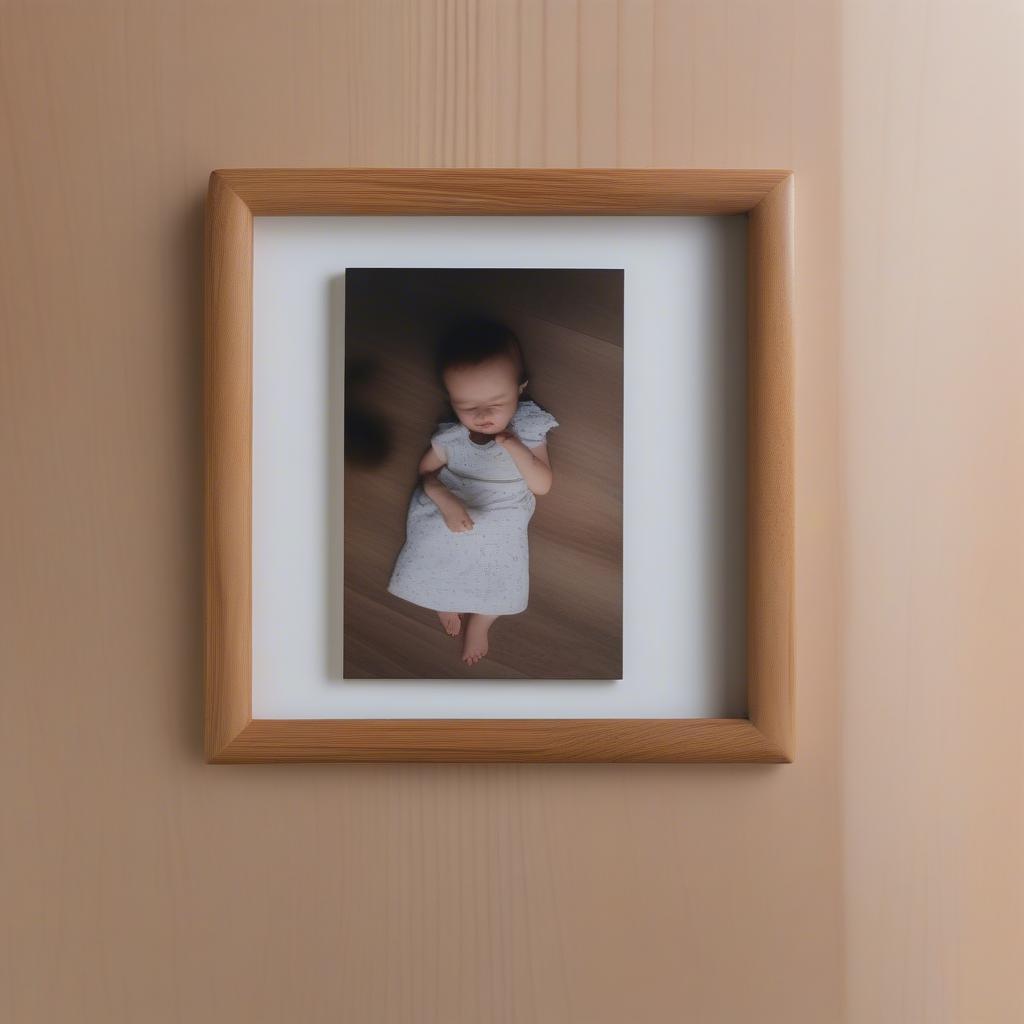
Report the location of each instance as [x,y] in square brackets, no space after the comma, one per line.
[483,415]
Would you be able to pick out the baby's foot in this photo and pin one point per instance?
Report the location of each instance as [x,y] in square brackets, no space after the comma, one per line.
[451,622]
[474,646]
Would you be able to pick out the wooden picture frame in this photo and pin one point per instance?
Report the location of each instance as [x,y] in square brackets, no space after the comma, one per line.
[234,197]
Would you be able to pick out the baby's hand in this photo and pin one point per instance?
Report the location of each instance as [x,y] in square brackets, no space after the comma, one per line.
[457,519]
[504,436]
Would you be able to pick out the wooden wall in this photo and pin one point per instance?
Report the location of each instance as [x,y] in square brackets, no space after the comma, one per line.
[875,880]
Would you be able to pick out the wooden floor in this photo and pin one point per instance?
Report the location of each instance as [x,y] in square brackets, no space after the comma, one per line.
[570,325]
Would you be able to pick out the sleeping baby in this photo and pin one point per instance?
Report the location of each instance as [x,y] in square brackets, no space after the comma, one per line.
[466,552]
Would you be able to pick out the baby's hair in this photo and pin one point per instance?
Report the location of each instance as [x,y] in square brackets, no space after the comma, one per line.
[474,340]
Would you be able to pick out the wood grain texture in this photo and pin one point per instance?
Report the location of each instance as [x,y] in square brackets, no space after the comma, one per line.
[768,736]
[227,487]
[770,458]
[932,435]
[874,881]
[495,191]
[556,740]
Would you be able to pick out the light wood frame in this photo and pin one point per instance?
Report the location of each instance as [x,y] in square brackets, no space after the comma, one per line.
[234,197]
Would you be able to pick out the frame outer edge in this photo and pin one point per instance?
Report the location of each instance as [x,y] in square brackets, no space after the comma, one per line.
[499,191]
[230,733]
[770,524]
[227,501]
[554,741]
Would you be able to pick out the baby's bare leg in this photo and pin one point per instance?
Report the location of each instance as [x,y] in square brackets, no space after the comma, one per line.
[474,647]
[451,621]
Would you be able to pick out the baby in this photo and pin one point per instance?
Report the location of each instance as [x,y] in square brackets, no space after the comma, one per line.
[466,553]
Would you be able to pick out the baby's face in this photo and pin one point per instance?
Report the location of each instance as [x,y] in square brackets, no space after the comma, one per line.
[484,397]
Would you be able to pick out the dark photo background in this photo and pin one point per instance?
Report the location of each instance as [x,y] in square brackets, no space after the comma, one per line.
[570,324]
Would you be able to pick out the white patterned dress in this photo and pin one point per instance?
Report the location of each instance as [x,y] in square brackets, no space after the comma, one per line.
[485,569]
